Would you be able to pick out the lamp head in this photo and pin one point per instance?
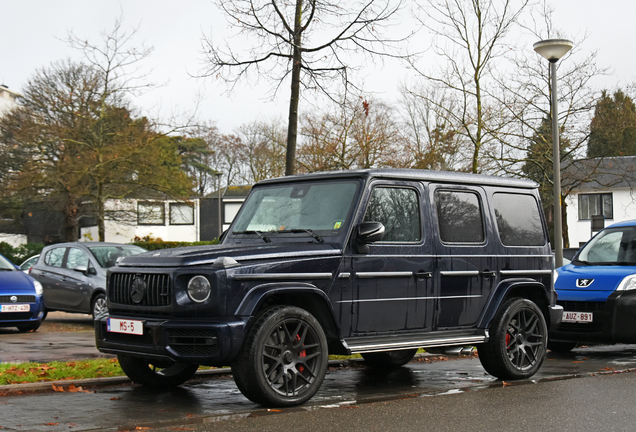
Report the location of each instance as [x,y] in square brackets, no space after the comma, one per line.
[553,49]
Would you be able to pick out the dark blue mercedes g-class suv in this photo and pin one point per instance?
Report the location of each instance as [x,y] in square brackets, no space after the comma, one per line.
[377,262]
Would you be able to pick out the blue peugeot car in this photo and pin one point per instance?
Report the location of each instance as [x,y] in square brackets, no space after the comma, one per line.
[598,291]
[20,298]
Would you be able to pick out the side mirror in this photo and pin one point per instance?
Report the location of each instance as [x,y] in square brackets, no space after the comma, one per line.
[86,270]
[368,232]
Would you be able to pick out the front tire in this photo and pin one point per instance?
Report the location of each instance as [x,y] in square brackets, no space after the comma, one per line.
[33,326]
[155,374]
[517,345]
[389,359]
[99,306]
[284,358]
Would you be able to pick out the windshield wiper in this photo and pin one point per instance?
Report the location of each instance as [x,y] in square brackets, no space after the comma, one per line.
[258,233]
[307,231]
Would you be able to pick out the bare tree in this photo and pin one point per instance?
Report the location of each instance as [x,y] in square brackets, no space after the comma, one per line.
[434,142]
[470,35]
[364,134]
[308,42]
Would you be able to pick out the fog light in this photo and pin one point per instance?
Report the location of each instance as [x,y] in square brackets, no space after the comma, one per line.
[199,289]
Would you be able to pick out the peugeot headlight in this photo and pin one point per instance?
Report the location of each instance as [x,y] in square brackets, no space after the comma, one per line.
[38,288]
[629,283]
[199,289]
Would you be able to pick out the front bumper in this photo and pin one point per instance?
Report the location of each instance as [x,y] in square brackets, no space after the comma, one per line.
[209,343]
[614,320]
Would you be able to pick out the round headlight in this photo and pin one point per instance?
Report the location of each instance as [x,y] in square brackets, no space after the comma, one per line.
[38,288]
[199,289]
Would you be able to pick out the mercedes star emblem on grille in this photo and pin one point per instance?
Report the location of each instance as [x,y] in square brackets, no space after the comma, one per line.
[138,289]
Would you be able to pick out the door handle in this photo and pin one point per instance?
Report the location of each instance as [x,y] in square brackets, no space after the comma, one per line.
[487,274]
[424,275]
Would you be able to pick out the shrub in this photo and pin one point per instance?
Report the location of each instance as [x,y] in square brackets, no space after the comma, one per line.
[18,254]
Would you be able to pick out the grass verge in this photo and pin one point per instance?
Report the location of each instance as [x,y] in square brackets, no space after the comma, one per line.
[22,373]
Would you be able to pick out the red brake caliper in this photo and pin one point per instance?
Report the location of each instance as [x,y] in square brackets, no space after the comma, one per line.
[303,353]
[508,339]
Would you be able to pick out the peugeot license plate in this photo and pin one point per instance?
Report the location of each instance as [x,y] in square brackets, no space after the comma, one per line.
[116,325]
[577,317]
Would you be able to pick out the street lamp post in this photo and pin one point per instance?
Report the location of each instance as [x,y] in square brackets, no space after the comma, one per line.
[553,50]
[218,202]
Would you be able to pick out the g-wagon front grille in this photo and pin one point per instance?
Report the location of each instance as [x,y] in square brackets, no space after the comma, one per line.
[157,289]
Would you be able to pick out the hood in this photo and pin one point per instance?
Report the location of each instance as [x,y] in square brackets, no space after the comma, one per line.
[15,281]
[202,255]
[592,278]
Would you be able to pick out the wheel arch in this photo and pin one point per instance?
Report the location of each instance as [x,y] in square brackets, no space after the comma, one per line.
[523,288]
[301,295]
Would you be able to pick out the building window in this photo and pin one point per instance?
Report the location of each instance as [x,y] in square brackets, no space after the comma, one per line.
[181,214]
[149,213]
[596,204]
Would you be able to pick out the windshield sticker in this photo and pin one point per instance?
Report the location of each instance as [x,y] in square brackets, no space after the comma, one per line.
[337,225]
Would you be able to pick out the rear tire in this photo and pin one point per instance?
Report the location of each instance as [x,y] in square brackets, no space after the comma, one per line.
[156,374]
[284,358]
[389,359]
[517,345]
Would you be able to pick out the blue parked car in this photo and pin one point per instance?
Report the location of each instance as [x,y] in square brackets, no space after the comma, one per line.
[598,291]
[20,298]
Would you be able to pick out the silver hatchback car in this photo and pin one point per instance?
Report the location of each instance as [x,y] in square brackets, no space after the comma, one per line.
[73,275]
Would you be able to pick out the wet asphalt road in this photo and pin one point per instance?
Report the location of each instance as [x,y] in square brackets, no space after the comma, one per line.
[358,395]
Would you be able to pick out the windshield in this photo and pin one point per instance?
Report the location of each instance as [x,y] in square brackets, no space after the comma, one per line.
[107,256]
[316,208]
[614,246]
[5,264]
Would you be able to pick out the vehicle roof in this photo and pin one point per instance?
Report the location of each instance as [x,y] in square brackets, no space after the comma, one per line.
[622,224]
[88,244]
[412,174]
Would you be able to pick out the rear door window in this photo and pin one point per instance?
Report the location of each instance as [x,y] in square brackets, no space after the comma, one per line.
[459,216]
[54,257]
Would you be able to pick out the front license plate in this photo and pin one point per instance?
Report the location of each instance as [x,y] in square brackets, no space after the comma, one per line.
[577,317]
[125,326]
[16,308]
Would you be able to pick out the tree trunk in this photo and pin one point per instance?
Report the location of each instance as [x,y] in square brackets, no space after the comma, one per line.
[292,128]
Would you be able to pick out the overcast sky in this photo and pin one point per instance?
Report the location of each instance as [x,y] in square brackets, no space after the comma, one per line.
[30,31]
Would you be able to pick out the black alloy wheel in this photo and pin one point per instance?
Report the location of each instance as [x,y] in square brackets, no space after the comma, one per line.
[284,358]
[517,345]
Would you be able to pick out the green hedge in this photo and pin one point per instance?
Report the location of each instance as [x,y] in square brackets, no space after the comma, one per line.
[17,255]
[160,244]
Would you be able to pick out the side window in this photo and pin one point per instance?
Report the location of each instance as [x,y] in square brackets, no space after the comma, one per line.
[518,227]
[398,210]
[54,257]
[460,217]
[76,259]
